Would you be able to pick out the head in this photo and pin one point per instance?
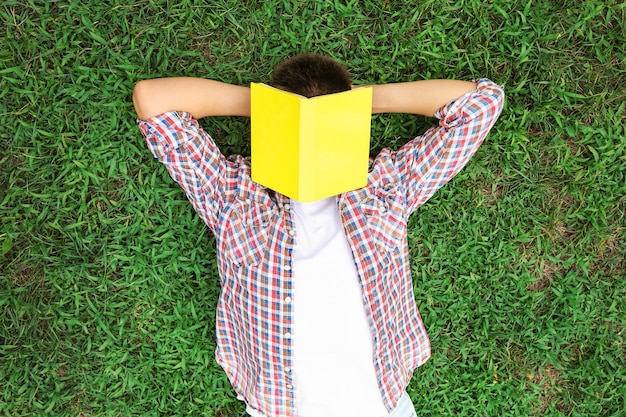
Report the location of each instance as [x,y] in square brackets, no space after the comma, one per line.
[311,75]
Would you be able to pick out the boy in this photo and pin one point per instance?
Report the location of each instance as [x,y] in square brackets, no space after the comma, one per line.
[316,316]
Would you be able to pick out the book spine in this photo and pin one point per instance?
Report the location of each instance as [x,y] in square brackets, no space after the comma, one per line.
[307,159]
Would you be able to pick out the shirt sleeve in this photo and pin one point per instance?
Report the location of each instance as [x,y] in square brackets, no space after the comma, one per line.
[191,157]
[431,160]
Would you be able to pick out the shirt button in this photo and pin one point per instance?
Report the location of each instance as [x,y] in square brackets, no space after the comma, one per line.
[287,369]
[291,232]
[289,386]
[287,299]
[287,206]
[287,268]
[287,335]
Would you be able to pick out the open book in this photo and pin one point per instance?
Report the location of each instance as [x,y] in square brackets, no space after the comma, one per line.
[310,148]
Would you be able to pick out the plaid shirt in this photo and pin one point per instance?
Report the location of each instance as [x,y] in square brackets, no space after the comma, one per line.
[256,235]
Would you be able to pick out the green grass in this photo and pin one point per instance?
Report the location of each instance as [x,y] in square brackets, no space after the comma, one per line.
[108,279]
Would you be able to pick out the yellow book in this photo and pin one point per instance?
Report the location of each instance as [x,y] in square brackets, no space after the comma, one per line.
[310,148]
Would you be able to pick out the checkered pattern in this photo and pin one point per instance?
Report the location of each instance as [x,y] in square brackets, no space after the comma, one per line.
[405,407]
[255,237]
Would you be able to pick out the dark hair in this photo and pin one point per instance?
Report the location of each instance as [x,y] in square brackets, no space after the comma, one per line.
[311,75]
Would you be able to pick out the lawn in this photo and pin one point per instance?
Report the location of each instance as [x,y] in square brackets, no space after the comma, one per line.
[108,278]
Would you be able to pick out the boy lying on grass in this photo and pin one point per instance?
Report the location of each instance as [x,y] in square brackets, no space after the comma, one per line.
[316,315]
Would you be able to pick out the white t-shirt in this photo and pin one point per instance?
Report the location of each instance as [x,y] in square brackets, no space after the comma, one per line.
[332,342]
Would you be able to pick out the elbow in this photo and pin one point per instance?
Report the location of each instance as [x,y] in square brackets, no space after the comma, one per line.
[497,94]
[140,98]
[490,101]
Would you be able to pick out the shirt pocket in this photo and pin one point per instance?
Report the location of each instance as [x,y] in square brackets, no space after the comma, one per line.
[384,216]
[245,233]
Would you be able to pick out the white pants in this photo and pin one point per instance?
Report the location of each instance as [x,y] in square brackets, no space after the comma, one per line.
[405,407]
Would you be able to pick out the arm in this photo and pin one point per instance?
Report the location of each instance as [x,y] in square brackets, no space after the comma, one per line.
[197,96]
[168,109]
[418,97]
[432,159]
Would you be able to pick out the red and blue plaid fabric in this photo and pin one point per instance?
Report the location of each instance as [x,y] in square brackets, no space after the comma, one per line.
[255,237]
